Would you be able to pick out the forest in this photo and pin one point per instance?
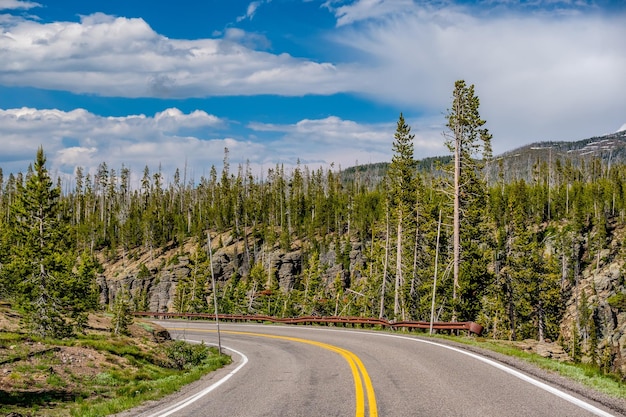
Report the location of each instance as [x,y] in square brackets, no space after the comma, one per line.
[506,254]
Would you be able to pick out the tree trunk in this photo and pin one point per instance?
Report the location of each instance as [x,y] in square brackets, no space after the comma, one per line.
[457,221]
[382,293]
[396,297]
[540,321]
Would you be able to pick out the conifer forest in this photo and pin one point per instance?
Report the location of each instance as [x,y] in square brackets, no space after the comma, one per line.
[459,235]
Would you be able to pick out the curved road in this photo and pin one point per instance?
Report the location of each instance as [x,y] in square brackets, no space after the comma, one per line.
[313,371]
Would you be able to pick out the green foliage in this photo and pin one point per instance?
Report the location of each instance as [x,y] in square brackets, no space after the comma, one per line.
[618,301]
[469,201]
[122,315]
[402,179]
[80,291]
[38,264]
[144,272]
[183,355]
[140,300]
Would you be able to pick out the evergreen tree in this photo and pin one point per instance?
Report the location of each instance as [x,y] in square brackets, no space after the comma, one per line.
[469,199]
[402,189]
[80,292]
[40,253]
[122,316]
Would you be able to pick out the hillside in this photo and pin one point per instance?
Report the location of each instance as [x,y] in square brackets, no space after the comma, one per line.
[519,163]
[311,243]
[602,284]
[607,147]
[92,374]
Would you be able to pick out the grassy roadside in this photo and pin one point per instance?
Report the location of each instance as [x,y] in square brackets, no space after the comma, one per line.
[95,374]
[588,375]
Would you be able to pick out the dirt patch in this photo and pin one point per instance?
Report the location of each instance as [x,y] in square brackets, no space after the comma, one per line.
[29,367]
[62,368]
[9,320]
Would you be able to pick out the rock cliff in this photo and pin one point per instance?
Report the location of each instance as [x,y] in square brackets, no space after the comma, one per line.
[155,276]
[596,310]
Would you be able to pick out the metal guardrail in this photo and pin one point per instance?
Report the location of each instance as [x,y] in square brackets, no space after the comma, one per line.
[468,326]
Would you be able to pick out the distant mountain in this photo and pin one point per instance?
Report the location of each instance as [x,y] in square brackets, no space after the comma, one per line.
[519,163]
[516,164]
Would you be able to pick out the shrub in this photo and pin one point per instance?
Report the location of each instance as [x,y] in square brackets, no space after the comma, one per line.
[618,301]
[183,355]
[144,272]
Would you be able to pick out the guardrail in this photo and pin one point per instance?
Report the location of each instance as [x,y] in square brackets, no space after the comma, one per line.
[468,326]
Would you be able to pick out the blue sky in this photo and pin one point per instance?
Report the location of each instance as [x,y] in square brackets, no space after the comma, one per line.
[171,84]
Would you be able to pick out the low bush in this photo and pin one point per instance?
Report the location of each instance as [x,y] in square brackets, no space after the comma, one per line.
[183,355]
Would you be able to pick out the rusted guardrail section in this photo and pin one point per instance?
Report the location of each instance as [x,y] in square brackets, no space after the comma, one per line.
[468,326]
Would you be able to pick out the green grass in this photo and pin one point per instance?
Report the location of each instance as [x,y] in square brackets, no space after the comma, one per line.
[146,326]
[131,375]
[55,381]
[132,393]
[11,344]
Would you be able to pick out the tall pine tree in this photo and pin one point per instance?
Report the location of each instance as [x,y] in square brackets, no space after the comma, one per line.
[39,255]
[402,189]
[469,200]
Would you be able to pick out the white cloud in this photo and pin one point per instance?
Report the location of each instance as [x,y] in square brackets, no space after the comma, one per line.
[249,40]
[17,5]
[81,138]
[124,57]
[538,77]
[171,120]
[622,128]
[332,140]
[369,9]
[251,11]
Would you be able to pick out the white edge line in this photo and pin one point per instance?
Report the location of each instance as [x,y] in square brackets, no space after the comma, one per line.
[555,391]
[567,397]
[190,400]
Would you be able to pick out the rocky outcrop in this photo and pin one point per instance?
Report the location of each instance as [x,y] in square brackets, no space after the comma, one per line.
[602,282]
[156,277]
[545,349]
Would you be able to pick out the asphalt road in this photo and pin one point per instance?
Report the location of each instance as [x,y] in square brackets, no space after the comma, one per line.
[318,371]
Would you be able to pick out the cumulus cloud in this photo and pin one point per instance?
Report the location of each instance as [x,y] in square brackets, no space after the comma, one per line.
[171,120]
[250,40]
[117,56]
[81,138]
[538,78]
[333,140]
[17,5]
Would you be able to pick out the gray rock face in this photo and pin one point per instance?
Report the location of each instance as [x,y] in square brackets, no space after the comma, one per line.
[599,285]
[162,277]
[288,267]
[546,349]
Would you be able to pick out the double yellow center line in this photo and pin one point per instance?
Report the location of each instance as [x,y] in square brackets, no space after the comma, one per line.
[362,382]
